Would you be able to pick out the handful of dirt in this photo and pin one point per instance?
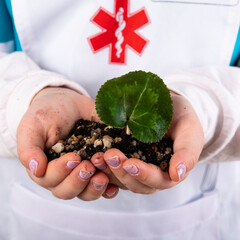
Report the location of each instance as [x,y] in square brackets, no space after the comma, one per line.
[88,138]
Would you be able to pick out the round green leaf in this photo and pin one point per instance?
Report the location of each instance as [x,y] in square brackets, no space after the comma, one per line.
[138,99]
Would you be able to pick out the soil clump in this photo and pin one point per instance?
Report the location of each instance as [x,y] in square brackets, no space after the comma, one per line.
[87,138]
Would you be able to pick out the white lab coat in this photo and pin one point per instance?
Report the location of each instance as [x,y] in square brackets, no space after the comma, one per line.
[189,44]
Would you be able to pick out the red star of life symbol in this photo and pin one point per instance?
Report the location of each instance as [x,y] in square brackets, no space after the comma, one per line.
[119,31]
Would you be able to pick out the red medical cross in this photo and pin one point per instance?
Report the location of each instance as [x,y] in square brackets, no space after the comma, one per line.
[119,31]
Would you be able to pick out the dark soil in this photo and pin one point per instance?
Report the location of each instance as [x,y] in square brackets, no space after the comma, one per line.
[88,137]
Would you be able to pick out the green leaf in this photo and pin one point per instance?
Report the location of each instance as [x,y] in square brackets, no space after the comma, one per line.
[138,99]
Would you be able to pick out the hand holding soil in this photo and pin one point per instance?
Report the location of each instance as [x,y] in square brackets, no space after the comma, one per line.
[88,138]
[49,118]
[141,177]
[47,121]
[146,178]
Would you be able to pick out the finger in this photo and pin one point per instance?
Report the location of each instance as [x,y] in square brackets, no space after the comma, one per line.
[30,145]
[75,182]
[115,159]
[188,143]
[111,191]
[87,108]
[57,170]
[148,174]
[98,162]
[181,164]
[95,188]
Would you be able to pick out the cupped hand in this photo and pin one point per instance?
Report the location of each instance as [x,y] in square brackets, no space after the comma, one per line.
[50,116]
[140,177]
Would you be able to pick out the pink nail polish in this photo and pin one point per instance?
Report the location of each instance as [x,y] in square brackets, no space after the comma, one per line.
[72,164]
[181,169]
[110,194]
[33,164]
[101,166]
[132,169]
[113,161]
[98,186]
[85,174]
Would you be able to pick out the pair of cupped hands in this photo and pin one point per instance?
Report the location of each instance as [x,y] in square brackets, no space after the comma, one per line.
[51,115]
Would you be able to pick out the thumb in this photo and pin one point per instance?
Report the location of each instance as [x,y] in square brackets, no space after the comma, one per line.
[187,148]
[30,147]
[87,108]
[187,134]
[181,163]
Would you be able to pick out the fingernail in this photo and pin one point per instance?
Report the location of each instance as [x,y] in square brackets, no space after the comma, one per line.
[33,164]
[131,169]
[72,164]
[98,186]
[111,194]
[101,166]
[85,174]
[113,161]
[181,169]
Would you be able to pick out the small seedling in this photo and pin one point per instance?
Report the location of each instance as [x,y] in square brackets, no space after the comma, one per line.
[138,101]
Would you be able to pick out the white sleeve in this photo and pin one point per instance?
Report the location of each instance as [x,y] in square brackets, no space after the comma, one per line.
[214,93]
[20,80]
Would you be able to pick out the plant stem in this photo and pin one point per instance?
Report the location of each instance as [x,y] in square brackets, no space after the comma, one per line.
[128,132]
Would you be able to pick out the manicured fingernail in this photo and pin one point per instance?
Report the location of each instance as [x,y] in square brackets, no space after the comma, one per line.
[33,164]
[113,161]
[85,174]
[72,164]
[98,186]
[131,169]
[181,169]
[101,166]
[111,194]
